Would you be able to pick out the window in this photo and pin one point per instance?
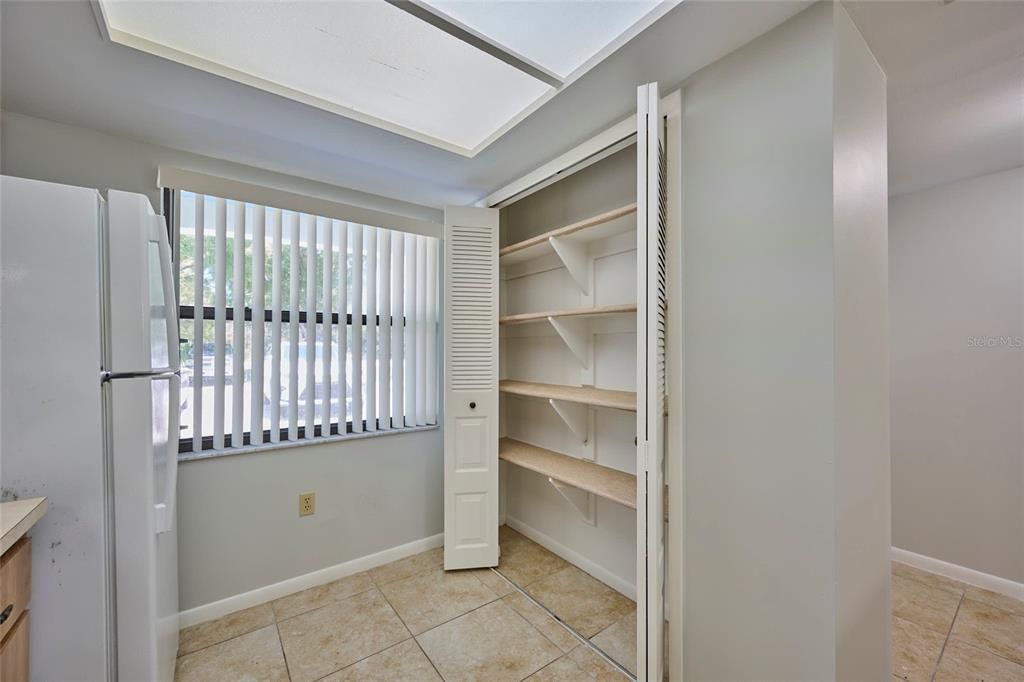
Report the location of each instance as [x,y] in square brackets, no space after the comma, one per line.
[297,326]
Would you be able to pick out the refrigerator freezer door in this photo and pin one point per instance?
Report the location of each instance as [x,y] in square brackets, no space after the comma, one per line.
[143,451]
[50,407]
[141,303]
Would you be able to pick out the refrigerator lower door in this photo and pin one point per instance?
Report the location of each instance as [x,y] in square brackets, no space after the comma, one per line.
[144,445]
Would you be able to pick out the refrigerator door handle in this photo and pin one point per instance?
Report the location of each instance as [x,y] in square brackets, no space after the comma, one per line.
[158,234]
[165,509]
[149,373]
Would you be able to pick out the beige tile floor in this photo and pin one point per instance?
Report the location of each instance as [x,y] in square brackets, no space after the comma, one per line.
[410,620]
[944,630]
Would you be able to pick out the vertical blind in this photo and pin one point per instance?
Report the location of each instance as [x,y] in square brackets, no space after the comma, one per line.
[297,326]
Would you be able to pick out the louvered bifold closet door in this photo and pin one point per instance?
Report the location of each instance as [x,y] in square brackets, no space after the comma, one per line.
[471,388]
[651,322]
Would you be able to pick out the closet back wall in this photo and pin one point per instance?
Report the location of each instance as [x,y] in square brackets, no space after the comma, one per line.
[238,523]
[535,353]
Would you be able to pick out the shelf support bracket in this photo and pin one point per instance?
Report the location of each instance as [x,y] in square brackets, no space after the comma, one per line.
[575,417]
[576,258]
[582,500]
[577,336]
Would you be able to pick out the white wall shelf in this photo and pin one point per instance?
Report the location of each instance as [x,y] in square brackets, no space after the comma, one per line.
[611,484]
[587,395]
[567,241]
[525,318]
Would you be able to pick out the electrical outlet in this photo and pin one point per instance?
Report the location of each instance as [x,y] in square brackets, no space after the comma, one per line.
[307,504]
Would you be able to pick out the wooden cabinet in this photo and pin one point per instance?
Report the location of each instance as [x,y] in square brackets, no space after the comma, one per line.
[15,592]
[14,652]
[15,584]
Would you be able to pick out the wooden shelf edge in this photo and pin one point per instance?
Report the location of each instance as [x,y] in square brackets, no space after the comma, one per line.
[611,484]
[522,318]
[569,229]
[587,395]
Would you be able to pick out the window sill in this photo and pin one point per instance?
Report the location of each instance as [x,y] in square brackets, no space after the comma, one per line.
[320,440]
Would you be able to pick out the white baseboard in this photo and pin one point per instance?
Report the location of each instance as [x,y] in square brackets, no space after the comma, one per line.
[261,595]
[607,577]
[961,573]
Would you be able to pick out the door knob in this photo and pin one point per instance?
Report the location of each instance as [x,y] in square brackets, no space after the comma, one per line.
[472,406]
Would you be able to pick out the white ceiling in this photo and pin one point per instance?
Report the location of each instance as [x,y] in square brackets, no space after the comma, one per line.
[56,65]
[956,86]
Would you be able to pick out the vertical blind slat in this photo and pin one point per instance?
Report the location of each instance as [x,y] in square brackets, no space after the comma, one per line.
[310,391]
[398,331]
[197,326]
[275,326]
[421,318]
[341,234]
[293,327]
[258,306]
[410,330]
[384,306]
[219,319]
[356,234]
[324,226]
[238,326]
[371,329]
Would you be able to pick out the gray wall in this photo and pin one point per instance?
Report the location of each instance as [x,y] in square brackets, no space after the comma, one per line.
[238,523]
[239,527]
[785,253]
[957,274]
[43,150]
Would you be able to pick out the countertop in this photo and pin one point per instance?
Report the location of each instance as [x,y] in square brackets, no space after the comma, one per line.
[17,518]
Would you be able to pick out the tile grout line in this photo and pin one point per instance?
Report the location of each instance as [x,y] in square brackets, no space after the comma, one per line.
[284,656]
[586,642]
[393,610]
[426,656]
[224,641]
[949,634]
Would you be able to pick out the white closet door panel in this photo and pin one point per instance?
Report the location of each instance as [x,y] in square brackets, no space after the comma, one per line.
[651,311]
[471,390]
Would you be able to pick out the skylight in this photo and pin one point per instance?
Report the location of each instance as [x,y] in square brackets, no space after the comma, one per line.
[558,35]
[457,75]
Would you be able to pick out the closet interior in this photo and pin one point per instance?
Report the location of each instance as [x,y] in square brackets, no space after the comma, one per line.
[568,405]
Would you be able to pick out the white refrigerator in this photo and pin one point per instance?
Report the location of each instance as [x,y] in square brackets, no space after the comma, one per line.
[89,418]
